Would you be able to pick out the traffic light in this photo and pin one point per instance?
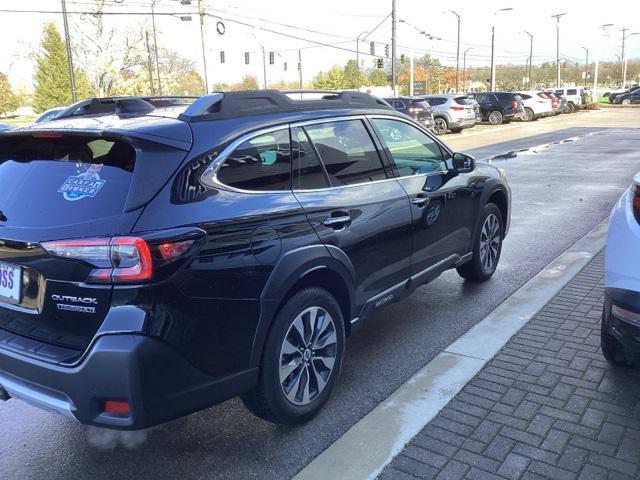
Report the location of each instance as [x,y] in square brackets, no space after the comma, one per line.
[285,66]
[386,51]
[221,57]
[272,58]
[372,48]
[402,58]
[380,63]
[246,58]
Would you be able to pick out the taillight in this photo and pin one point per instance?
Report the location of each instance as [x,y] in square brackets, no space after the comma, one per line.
[414,110]
[514,104]
[116,260]
[455,107]
[635,201]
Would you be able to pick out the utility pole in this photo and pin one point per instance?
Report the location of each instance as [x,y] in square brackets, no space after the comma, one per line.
[393,48]
[300,67]
[594,93]
[557,17]
[492,78]
[623,58]
[149,64]
[586,66]
[464,67]
[202,14]
[264,66]
[530,57]
[457,52]
[155,44]
[411,74]
[67,40]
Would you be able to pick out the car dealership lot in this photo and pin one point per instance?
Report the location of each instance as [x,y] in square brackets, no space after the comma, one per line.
[560,191]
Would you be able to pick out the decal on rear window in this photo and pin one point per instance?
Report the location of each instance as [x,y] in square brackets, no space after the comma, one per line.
[86,184]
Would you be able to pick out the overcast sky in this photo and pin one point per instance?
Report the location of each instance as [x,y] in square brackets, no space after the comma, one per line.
[304,24]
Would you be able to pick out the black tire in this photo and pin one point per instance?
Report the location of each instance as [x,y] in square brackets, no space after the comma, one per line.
[530,116]
[475,270]
[456,130]
[571,107]
[626,101]
[267,400]
[440,125]
[495,117]
[612,349]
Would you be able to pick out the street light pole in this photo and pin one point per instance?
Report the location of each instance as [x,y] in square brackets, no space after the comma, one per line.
[586,65]
[457,52]
[594,95]
[202,42]
[155,43]
[557,17]
[464,67]
[492,79]
[393,48]
[530,56]
[358,48]
[67,38]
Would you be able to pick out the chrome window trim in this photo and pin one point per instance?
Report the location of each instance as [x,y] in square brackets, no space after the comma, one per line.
[211,171]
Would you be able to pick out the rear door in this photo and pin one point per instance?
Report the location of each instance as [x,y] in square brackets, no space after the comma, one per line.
[353,203]
[442,203]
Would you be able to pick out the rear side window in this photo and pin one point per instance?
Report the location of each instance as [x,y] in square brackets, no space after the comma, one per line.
[347,152]
[461,101]
[262,163]
[572,91]
[434,102]
[308,173]
[524,96]
[400,104]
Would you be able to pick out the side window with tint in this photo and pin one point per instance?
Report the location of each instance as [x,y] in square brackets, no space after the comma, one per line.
[347,152]
[413,152]
[308,173]
[261,163]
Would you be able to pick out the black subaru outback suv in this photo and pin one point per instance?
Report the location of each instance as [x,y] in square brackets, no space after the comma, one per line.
[157,258]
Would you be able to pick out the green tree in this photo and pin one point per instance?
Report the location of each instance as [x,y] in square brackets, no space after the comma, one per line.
[52,85]
[378,78]
[353,76]
[9,101]
[332,79]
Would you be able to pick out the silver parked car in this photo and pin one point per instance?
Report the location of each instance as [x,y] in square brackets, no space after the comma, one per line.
[451,112]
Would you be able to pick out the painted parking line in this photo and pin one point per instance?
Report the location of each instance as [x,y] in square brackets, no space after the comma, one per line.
[364,450]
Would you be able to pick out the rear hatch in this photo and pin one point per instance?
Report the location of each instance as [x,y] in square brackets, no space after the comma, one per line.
[67,186]
[469,110]
[421,110]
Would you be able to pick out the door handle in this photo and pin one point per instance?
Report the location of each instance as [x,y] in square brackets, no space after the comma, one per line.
[336,222]
[420,201]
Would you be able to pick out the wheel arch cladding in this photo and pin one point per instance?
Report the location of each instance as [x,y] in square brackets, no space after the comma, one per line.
[298,269]
[500,199]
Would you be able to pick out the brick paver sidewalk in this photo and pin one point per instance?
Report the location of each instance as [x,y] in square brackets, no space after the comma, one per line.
[547,406]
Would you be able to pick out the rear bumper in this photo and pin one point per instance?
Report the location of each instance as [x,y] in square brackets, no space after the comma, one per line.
[464,123]
[626,332]
[154,379]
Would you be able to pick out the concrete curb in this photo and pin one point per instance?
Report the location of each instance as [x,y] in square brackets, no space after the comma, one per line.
[369,445]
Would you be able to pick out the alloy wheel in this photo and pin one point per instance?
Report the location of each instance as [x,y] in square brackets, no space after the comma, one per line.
[308,355]
[490,238]
[495,118]
[440,126]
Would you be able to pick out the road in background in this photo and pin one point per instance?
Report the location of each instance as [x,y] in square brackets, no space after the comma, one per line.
[560,191]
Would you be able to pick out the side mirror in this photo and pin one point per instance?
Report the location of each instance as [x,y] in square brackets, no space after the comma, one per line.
[463,163]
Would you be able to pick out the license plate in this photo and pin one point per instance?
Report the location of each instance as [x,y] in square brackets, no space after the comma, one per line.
[10,282]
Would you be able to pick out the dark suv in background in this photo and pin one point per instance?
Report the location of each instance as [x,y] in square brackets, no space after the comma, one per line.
[499,107]
[162,254]
[416,108]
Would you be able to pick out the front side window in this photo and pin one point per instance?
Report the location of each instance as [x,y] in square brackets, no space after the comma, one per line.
[413,152]
[262,163]
[347,152]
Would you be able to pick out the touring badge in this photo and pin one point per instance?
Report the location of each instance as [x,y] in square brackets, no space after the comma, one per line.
[86,184]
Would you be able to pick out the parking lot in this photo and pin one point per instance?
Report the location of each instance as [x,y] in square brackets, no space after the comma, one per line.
[566,172]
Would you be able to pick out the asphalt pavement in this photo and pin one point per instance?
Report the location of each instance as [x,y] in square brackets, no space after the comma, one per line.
[560,191]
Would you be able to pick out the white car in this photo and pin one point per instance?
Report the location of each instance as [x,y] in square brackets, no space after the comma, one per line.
[535,105]
[620,333]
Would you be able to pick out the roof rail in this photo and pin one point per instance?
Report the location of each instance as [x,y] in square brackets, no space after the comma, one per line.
[122,105]
[251,102]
